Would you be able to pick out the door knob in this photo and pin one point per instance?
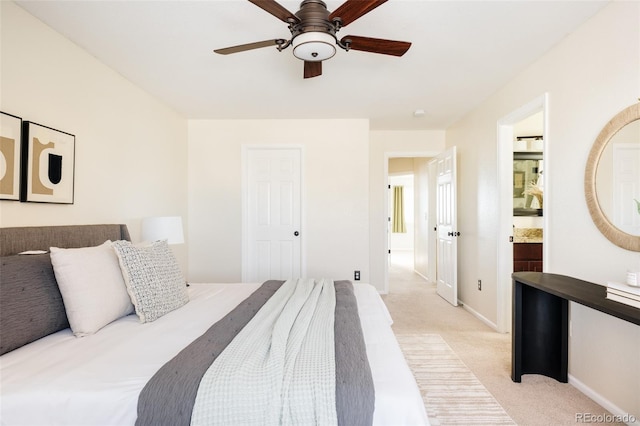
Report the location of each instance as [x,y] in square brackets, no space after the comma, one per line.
[296,233]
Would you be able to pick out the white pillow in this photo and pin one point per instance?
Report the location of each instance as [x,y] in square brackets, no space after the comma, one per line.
[92,286]
[153,278]
[33,252]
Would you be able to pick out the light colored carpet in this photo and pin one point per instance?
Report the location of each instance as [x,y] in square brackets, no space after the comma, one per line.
[452,394]
[537,401]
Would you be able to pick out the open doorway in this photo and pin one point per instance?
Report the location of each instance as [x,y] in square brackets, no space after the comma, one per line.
[528,193]
[401,219]
[407,177]
[523,142]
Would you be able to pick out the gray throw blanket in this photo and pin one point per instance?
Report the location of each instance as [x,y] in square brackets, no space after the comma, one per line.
[168,398]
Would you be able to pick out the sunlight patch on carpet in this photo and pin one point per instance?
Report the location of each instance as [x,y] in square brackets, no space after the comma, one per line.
[452,394]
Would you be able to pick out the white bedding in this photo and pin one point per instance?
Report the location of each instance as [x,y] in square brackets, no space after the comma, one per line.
[95,380]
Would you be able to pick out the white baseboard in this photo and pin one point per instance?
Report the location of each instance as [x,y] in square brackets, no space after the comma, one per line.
[478,315]
[426,278]
[619,414]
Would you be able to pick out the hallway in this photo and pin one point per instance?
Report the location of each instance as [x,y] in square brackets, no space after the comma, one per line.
[416,308]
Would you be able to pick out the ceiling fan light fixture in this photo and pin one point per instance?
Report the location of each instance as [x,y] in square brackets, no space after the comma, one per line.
[314,46]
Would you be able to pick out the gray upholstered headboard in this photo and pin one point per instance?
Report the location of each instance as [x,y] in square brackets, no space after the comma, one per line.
[31,305]
[16,240]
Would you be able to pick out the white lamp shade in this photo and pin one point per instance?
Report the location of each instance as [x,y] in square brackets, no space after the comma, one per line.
[314,46]
[163,228]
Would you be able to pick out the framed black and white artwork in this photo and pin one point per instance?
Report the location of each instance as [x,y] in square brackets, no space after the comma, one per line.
[48,164]
[10,138]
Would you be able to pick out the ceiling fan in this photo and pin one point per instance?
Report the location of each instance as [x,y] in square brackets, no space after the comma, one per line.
[313,32]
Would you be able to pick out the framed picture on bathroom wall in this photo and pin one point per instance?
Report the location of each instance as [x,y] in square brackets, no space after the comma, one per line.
[10,137]
[518,184]
[48,164]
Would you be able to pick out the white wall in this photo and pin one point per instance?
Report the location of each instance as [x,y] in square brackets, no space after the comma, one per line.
[421,260]
[131,153]
[382,146]
[335,194]
[589,77]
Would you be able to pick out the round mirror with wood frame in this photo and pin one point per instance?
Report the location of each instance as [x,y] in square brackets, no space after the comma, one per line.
[604,224]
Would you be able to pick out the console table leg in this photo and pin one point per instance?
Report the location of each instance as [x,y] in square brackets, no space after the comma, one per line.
[516,333]
[540,333]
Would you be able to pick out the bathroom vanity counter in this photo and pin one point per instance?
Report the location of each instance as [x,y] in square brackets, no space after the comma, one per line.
[527,235]
[527,249]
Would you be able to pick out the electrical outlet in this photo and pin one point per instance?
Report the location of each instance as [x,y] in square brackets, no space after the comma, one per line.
[480,285]
[356,275]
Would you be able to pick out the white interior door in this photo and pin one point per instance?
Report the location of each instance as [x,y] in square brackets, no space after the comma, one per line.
[273,214]
[446,225]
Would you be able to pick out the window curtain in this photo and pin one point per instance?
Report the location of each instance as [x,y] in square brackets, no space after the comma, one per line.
[398,225]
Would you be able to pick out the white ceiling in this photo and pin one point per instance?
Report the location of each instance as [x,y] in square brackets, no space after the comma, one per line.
[462,52]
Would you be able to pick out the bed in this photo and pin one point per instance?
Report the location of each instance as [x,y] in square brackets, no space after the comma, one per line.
[98,376]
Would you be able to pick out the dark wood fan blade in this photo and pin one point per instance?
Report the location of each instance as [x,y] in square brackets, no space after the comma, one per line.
[312,69]
[248,46]
[276,9]
[377,45]
[351,10]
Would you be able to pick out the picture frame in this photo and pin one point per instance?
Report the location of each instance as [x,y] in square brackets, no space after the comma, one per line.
[518,184]
[48,164]
[10,156]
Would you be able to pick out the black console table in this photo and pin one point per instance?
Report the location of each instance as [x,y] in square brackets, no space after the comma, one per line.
[540,332]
